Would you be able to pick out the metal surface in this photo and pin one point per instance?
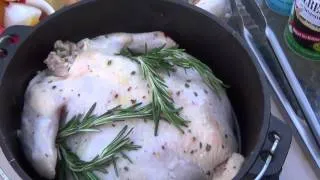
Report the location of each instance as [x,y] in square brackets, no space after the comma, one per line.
[289,73]
[250,30]
[269,158]
[3,175]
[2,40]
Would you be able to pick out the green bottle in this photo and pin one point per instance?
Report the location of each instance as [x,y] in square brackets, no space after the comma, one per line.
[302,34]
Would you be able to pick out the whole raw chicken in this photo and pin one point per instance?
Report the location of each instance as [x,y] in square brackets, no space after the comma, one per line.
[91,71]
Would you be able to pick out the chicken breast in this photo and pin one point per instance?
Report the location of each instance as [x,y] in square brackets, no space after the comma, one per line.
[94,73]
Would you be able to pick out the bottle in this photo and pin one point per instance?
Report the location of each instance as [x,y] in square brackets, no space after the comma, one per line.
[282,7]
[302,34]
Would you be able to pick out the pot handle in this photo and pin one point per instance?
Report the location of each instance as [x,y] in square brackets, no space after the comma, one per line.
[10,39]
[274,151]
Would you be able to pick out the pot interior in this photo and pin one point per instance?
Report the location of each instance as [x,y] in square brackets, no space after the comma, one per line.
[195,30]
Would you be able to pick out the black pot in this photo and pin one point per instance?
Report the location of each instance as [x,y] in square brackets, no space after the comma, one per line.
[197,31]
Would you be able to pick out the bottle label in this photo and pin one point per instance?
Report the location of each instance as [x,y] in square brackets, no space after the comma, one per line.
[299,49]
[303,32]
[308,13]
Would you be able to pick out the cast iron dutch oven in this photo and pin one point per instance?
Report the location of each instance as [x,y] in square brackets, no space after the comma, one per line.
[197,31]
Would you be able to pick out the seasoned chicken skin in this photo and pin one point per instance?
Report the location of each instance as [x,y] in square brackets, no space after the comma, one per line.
[96,74]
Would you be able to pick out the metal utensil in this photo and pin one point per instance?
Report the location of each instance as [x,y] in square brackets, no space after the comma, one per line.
[252,33]
[311,117]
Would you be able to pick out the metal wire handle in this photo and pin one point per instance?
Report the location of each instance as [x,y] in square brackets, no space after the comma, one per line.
[269,158]
[3,39]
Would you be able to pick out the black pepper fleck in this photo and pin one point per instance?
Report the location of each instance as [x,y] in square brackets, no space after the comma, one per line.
[192,151]
[208,147]
[133,73]
[189,81]
[148,86]
[113,125]
[226,136]
[154,153]
[184,151]
[222,146]
[234,167]
[133,101]
[178,93]
[116,96]
[200,145]
[195,94]
[186,85]
[54,87]
[126,168]
[189,130]
[109,62]
[205,91]
[78,95]
[144,97]
[129,89]
[50,81]
[208,173]
[163,148]
[194,139]
[46,155]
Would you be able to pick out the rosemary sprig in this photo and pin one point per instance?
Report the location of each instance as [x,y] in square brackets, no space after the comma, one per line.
[180,58]
[84,170]
[162,104]
[164,59]
[176,56]
[89,122]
